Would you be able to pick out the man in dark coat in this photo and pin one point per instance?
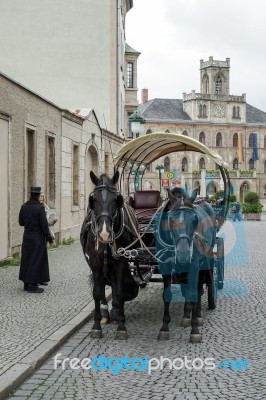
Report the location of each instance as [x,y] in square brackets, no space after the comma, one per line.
[34,267]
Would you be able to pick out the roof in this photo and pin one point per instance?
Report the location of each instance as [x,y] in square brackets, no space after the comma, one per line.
[129,49]
[149,148]
[254,115]
[171,110]
[164,110]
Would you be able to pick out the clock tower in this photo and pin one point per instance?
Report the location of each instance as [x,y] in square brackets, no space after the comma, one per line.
[214,103]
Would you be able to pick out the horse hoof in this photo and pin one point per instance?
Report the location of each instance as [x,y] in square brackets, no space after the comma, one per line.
[104,320]
[121,335]
[195,338]
[163,335]
[185,322]
[200,321]
[96,334]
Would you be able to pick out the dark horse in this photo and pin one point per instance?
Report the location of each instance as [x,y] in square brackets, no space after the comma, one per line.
[106,228]
[189,232]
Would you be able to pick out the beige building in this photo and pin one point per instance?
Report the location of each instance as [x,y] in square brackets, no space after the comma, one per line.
[219,120]
[72,52]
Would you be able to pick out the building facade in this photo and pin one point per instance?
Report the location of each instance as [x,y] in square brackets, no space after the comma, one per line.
[225,123]
[72,52]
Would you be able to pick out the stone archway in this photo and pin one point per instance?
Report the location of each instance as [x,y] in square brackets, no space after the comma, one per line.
[244,189]
[211,189]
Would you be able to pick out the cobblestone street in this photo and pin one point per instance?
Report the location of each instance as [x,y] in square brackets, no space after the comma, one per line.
[235,330]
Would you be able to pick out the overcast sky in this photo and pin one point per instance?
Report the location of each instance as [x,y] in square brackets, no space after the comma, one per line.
[173,35]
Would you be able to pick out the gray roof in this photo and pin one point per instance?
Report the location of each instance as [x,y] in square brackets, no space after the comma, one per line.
[171,110]
[164,109]
[129,49]
[254,115]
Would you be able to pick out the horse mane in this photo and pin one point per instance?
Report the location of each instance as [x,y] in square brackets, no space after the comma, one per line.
[105,180]
[182,202]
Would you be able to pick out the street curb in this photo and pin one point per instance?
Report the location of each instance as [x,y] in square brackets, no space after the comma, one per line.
[14,376]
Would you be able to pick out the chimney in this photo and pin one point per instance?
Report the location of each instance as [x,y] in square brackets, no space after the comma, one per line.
[144,95]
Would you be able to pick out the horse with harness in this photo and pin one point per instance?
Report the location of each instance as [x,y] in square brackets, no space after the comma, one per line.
[182,246]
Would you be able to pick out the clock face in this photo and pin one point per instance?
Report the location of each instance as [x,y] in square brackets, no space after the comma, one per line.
[219,111]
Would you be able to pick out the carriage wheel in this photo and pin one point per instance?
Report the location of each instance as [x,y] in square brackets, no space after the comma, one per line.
[220,258]
[213,287]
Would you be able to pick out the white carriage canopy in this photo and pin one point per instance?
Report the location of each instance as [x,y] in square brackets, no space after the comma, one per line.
[148,148]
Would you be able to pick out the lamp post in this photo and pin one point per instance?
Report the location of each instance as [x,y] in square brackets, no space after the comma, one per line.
[137,123]
[160,170]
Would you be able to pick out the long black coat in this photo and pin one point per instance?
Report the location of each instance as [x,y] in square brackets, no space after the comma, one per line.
[34,267]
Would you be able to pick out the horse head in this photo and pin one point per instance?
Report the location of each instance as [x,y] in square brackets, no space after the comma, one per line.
[182,222]
[105,201]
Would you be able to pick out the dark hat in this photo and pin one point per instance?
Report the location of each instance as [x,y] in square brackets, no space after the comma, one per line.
[35,189]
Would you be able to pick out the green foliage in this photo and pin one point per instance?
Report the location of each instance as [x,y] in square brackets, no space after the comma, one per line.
[68,241]
[218,194]
[212,171]
[196,172]
[251,203]
[232,198]
[252,208]
[246,171]
[251,197]
[14,260]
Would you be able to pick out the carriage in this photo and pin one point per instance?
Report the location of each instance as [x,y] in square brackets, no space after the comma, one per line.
[163,244]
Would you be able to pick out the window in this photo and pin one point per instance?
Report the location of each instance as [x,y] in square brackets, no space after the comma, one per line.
[148,131]
[202,163]
[167,131]
[30,161]
[184,166]
[185,133]
[251,164]
[202,137]
[235,140]
[130,75]
[204,111]
[235,163]
[265,167]
[148,168]
[234,112]
[200,110]
[166,164]
[250,140]
[218,85]
[238,112]
[75,176]
[106,163]
[50,168]
[219,141]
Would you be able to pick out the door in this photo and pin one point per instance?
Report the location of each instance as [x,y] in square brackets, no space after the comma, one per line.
[4,189]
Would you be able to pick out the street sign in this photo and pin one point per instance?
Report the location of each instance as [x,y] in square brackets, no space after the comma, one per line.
[170,175]
[165,182]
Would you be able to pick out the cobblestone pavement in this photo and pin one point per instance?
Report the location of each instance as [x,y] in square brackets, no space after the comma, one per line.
[235,330]
[27,319]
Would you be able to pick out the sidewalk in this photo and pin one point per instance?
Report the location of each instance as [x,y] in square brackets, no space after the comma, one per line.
[33,326]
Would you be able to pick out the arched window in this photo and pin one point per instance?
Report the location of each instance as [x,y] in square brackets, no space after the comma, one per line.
[235,163]
[238,112]
[148,168]
[217,167]
[148,131]
[265,141]
[250,140]
[234,112]
[200,110]
[218,85]
[202,137]
[166,164]
[185,133]
[219,140]
[235,140]
[251,164]
[184,165]
[202,163]
[204,110]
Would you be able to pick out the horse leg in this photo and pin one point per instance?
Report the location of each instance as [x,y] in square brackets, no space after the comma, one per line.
[167,297]
[98,294]
[200,291]
[185,322]
[104,312]
[195,336]
[115,308]
[121,332]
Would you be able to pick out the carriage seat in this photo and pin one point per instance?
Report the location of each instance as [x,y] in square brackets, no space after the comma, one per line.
[145,203]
